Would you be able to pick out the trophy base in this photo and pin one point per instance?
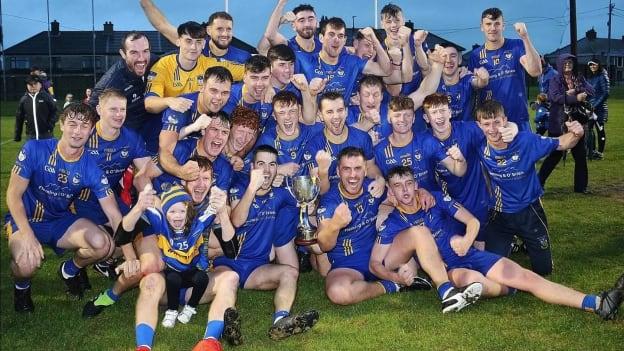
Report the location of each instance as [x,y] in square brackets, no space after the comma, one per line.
[305,242]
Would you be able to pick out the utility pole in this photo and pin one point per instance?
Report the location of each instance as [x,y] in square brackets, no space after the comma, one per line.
[573,27]
[611,6]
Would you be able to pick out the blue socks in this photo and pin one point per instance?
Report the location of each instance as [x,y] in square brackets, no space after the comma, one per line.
[112,295]
[590,303]
[69,269]
[214,329]
[279,315]
[23,285]
[144,335]
[443,289]
[389,286]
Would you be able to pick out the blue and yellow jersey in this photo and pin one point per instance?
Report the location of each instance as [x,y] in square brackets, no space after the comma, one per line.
[355,138]
[54,180]
[439,219]
[183,151]
[168,79]
[342,77]
[356,240]
[470,190]
[507,77]
[233,54]
[422,155]
[264,110]
[257,234]
[513,180]
[181,251]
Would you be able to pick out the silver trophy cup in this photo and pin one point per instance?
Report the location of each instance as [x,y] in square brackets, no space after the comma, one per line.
[304,189]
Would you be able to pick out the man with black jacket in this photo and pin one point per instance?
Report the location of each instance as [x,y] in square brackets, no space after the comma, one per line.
[128,76]
[38,109]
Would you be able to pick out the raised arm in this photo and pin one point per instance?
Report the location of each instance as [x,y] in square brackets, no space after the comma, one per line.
[159,21]
[329,229]
[240,211]
[271,36]
[382,67]
[530,60]
[429,85]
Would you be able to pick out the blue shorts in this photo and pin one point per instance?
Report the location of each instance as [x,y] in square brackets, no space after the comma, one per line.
[93,211]
[476,260]
[357,265]
[47,232]
[286,225]
[243,267]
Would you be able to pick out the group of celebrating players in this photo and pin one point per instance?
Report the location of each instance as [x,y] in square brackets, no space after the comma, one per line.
[418,189]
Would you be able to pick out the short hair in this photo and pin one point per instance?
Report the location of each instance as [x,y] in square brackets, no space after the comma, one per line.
[219,14]
[330,95]
[281,52]
[246,117]
[285,97]
[222,116]
[86,112]
[489,110]
[492,13]
[203,163]
[257,64]
[192,29]
[359,36]
[400,171]
[350,151]
[391,10]
[264,148]
[111,92]
[401,103]
[371,81]
[303,7]
[220,74]
[132,36]
[334,22]
[435,99]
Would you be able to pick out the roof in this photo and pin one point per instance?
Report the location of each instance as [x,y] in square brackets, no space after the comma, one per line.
[593,47]
[106,43]
[432,39]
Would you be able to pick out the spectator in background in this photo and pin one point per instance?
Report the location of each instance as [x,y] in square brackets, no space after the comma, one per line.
[37,109]
[566,89]
[542,113]
[46,84]
[87,96]
[547,73]
[69,99]
[599,80]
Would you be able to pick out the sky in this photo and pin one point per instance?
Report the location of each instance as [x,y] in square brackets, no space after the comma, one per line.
[457,21]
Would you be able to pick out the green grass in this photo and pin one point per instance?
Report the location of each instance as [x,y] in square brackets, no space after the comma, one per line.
[588,249]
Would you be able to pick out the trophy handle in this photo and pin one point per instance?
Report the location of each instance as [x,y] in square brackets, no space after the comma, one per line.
[289,185]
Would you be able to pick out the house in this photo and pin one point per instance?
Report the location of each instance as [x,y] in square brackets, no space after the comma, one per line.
[593,47]
[73,57]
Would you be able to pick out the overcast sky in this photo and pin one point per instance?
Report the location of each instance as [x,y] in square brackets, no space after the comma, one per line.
[457,21]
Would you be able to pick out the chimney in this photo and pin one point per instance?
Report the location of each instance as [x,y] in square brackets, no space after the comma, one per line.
[108,27]
[590,34]
[54,28]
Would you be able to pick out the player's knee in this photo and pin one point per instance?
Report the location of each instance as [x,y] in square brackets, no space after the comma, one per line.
[152,266]
[153,285]
[228,280]
[289,273]
[101,243]
[338,294]
[23,269]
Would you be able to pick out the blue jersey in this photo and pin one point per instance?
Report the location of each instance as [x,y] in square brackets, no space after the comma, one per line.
[293,89]
[342,77]
[222,171]
[181,250]
[264,110]
[383,129]
[514,181]
[355,138]
[258,232]
[460,96]
[356,240]
[54,182]
[422,155]
[507,78]
[439,219]
[292,43]
[233,54]
[470,190]
[290,150]
[174,121]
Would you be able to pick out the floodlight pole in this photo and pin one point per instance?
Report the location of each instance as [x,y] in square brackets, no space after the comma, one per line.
[227,6]
[375,15]
[4,93]
[93,40]
[49,40]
